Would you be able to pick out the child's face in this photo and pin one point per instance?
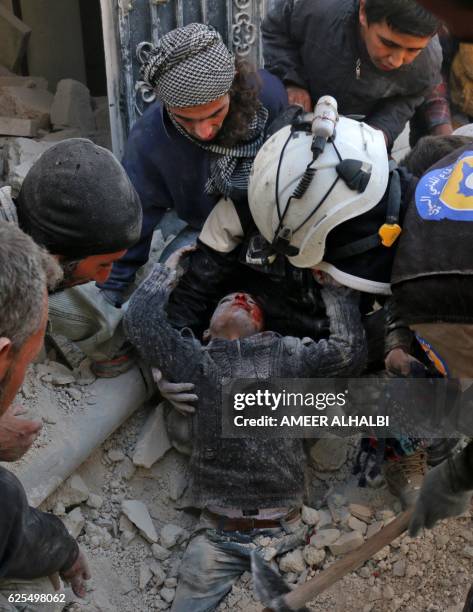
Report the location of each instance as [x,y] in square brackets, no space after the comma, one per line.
[236,316]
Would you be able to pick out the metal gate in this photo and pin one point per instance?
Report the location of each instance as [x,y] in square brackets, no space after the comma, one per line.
[129,22]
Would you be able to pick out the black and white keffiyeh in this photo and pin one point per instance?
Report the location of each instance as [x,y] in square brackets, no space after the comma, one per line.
[189,66]
[231,166]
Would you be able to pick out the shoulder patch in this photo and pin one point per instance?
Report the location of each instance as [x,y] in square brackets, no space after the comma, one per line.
[447,193]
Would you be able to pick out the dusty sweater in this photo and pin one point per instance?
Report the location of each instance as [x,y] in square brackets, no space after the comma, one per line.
[242,473]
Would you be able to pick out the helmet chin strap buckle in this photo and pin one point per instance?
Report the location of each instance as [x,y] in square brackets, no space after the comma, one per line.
[351,171]
[282,243]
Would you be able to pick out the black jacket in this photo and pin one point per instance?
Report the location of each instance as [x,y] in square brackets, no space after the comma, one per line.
[316,45]
[33,544]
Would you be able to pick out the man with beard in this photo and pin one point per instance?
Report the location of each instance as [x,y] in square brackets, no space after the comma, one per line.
[33,544]
[198,141]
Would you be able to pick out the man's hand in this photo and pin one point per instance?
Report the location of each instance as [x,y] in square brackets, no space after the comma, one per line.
[77,574]
[16,434]
[177,394]
[301,97]
[400,363]
[441,496]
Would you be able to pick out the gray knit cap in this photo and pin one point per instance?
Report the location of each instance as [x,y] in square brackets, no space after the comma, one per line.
[188,67]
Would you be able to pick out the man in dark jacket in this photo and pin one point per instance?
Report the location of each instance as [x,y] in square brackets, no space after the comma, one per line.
[244,486]
[198,141]
[376,57]
[33,544]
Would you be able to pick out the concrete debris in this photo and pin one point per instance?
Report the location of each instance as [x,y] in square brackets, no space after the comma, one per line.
[292,562]
[177,485]
[13,126]
[153,442]
[170,583]
[313,556]
[138,514]
[310,516]
[31,82]
[73,492]
[346,543]
[95,501]
[26,103]
[83,373]
[357,525]
[72,107]
[399,568]
[74,393]
[125,469]
[127,529]
[363,513]
[74,522]
[374,528]
[19,155]
[158,572]
[160,553]
[171,535]
[14,37]
[468,552]
[116,455]
[145,576]
[329,454]
[325,519]
[269,553]
[167,594]
[388,592]
[325,537]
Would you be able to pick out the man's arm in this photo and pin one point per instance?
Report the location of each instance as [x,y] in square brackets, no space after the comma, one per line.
[33,544]
[281,50]
[146,325]
[345,352]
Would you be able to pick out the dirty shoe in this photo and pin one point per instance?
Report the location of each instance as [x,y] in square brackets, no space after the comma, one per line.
[404,477]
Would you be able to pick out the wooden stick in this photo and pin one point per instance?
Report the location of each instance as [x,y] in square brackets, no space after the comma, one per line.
[309,590]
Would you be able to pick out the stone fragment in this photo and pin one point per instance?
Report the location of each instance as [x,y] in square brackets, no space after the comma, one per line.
[26,103]
[75,394]
[375,594]
[14,126]
[442,540]
[158,573]
[324,537]
[313,556]
[374,528]
[170,583]
[365,572]
[363,513]
[73,492]
[167,594]
[116,455]
[138,514]
[292,562]
[329,454]
[160,553]
[346,543]
[325,519]
[388,592]
[171,535]
[310,516]
[125,469]
[14,36]
[74,522]
[269,553]
[94,501]
[382,554]
[153,442]
[72,107]
[145,576]
[15,80]
[357,525]
[468,552]
[399,568]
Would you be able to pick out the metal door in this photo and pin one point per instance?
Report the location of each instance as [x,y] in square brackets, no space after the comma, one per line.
[129,22]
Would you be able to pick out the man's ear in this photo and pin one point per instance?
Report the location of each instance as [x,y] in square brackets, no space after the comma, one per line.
[5,356]
[206,335]
[362,14]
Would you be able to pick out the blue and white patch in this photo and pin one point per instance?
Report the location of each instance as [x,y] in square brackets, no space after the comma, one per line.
[447,193]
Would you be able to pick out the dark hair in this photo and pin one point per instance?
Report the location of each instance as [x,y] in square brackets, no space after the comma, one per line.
[430,150]
[404,16]
[244,102]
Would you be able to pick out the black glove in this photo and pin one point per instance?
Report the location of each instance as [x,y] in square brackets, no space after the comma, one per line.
[446,491]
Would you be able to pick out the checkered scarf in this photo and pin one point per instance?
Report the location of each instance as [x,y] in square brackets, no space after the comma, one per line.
[231,166]
[189,66]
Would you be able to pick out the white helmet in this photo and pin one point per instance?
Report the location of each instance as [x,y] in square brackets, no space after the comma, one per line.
[296,200]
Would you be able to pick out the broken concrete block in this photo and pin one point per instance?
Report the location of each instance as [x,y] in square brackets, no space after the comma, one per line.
[26,103]
[20,155]
[329,454]
[138,514]
[292,562]
[14,36]
[313,556]
[72,107]
[310,516]
[73,492]
[363,513]
[346,543]
[23,81]
[171,535]
[357,525]
[115,455]
[62,135]
[153,442]
[160,553]
[145,575]
[94,501]
[167,594]
[74,522]
[325,537]
[13,126]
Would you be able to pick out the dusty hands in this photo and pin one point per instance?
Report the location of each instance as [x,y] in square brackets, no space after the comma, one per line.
[16,434]
[177,394]
[301,97]
[401,363]
[77,575]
